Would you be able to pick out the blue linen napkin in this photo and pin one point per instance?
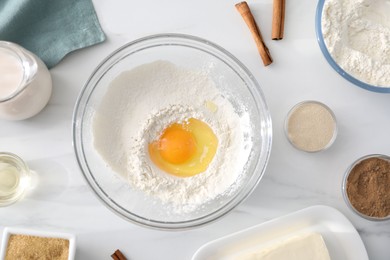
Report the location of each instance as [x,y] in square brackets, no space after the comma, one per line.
[50,28]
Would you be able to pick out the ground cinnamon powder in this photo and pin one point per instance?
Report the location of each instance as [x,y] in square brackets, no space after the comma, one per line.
[368,187]
[37,248]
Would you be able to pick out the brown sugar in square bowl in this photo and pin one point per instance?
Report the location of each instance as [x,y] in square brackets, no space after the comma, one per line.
[21,243]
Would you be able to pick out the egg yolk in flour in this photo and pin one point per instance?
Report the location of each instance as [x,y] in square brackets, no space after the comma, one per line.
[184,149]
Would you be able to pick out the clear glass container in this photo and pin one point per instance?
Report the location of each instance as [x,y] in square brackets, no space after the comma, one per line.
[345,182]
[25,81]
[311,131]
[234,81]
[15,178]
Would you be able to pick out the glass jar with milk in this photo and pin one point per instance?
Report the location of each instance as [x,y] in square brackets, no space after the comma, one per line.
[25,83]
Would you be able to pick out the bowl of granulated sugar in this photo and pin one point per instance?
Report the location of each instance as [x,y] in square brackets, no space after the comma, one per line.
[354,39]
[171,131]
[311,126]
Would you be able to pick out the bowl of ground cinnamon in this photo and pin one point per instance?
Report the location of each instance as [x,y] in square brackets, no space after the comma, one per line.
[366,187]
[34,245]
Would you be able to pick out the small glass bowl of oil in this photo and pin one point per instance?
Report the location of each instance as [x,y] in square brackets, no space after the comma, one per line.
[14,178]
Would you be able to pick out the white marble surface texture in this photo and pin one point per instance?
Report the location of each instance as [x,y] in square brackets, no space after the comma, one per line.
[62,201]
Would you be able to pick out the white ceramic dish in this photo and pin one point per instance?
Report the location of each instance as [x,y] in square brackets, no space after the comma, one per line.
[340,236]
[21,231]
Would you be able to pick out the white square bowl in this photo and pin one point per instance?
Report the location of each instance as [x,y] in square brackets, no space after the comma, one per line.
[46,234]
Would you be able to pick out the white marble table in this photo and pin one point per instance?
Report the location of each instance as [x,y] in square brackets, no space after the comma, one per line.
[62,201]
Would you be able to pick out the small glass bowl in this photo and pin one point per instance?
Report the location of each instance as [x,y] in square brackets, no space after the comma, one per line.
[293,110]
[15,178]
[344,186]
[332,62]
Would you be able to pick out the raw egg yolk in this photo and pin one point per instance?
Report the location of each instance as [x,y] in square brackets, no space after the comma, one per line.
[176,144]
[184,149]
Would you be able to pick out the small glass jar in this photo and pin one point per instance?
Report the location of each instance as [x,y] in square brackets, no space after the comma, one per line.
[15,178]
[311,126]
[25,82]
[365,179]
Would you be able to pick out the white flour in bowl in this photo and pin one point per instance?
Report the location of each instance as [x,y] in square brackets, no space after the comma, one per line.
[357,35]
[141,103]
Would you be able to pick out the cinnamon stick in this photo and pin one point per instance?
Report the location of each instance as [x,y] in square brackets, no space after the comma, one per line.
[246,14]
[278,19]
[117,255]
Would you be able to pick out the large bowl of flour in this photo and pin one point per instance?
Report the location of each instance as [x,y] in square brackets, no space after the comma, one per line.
[354,36]
[172,88]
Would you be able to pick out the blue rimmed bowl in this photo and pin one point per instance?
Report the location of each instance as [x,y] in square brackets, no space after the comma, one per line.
[333,63]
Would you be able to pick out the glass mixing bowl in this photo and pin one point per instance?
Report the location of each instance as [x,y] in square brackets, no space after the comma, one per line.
[333,63]
[234,81]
